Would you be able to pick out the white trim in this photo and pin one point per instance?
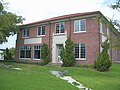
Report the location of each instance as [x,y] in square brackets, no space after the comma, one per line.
[34,52]
[108,31]
[40,32]
[80,52]
[37,40]
[79,26]
[59,28]
[25,58]
[25,37]
[25,33]
[59,33]
[80,59]
[101,27]
[36,59]
[80,32]
[40,35]
[57,39]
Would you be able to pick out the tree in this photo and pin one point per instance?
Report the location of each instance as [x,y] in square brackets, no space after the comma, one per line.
[67,53]
[103,62]
[8,23]
[116,6]
[45,53]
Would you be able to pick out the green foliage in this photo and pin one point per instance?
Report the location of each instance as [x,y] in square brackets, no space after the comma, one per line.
[103,62]
[45,53]
[7,55]
[8,23]
[67,53]
[85,66]
[12,51]
[116,5]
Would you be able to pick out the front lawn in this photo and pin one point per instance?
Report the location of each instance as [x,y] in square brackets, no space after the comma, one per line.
[34,77]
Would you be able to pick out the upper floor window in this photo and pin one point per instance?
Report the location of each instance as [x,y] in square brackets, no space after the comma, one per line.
[101,27]
[108,31]
[26,32]
[41,30]
[60,27]
[80,51]
[80,25]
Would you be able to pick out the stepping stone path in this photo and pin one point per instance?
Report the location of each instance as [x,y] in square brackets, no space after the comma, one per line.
[69,79]
[5,66]
[8,66]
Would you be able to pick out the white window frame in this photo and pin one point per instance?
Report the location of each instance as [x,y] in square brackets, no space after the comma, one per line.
[26,34]
[79,31]
[108,31]
[60,27]
[34,51]
[30,48]
[40,30]
[101,27]
[80,52]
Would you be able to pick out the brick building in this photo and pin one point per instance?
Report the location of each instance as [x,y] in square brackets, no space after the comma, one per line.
[86,32]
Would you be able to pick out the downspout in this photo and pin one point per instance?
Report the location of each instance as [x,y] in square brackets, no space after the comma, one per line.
[70,27]
[99,35]
[111,46]
[49,40]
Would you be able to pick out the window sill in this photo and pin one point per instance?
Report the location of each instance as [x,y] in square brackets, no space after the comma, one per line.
[56,34]
[25,58]
[36,59]
[25,37]
[81,59]
[80,32]
[40,35]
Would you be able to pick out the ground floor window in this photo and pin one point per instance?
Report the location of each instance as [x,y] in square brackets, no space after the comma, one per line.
[80,51]
[25,52]
[37,52]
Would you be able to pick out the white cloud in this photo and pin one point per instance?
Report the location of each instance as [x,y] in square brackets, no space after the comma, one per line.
[34,10]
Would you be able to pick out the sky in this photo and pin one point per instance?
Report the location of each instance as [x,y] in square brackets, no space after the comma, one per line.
[36,10]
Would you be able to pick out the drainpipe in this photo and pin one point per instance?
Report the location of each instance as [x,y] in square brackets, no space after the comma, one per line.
[70,27]
[99,34]
[49,38]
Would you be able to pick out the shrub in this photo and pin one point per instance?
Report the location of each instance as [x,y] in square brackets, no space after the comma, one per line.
[85,66]
[7,54]
[45,53]
[67,53]
[103,62]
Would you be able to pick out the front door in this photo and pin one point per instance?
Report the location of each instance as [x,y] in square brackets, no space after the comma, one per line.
[59,49]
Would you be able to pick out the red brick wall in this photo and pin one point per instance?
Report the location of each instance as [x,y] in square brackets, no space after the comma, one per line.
[90,38]
[32,34]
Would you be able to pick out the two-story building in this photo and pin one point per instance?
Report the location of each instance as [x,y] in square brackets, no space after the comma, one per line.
[86,32]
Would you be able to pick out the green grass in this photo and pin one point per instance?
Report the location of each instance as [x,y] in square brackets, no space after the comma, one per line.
[31,78]
[34,77]
[109,80]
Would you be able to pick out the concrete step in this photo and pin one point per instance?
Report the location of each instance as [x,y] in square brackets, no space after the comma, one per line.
[54,64]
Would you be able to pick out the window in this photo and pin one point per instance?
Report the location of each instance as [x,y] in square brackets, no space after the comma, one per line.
[80,51]
[37,52]
[101,27]
[60,27]
[25,52]
[108,33]
[80,25]
[26,32]
[41,30]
